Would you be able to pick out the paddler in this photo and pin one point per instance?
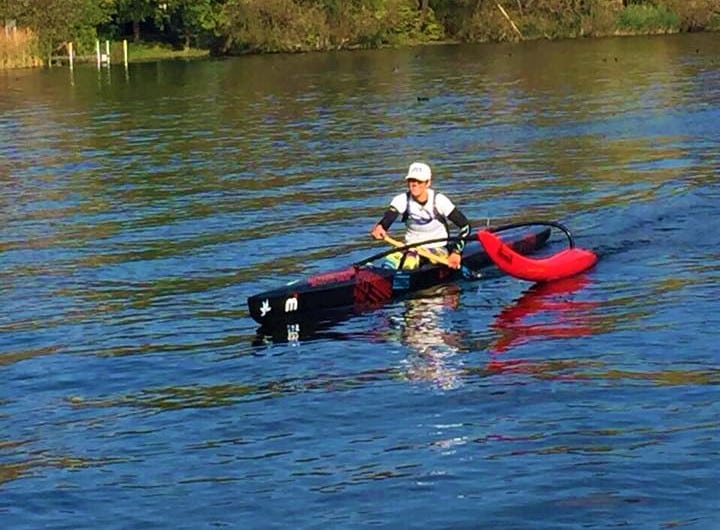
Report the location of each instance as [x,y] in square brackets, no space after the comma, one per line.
[425,213]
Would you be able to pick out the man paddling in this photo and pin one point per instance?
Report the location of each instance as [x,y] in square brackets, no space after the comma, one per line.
[426,214]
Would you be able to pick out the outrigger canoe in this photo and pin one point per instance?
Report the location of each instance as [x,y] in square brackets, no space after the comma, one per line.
[366,285]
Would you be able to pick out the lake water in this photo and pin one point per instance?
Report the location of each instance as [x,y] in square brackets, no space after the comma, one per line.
[140,209]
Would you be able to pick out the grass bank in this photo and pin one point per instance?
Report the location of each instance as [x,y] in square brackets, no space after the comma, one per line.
[154,51]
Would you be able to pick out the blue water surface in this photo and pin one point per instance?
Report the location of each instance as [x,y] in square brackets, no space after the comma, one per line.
[140,208]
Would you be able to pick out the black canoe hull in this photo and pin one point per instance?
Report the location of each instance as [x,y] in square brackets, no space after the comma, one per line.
[367,287]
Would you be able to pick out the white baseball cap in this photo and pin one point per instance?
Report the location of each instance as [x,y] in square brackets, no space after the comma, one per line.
[419,171]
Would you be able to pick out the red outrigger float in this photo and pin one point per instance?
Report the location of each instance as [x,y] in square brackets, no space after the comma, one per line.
[563,264]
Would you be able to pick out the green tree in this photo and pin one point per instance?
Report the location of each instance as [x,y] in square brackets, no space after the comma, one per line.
[57,22]
[137,11]
[193,20]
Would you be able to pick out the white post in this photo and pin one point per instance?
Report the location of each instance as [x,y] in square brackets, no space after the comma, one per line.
[70,53]
[107,52]
[125,52]
[97,52]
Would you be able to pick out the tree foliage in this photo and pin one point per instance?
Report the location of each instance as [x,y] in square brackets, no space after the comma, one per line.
[193,21]
[300,25]
[59,21]
[136,12]
[272,25]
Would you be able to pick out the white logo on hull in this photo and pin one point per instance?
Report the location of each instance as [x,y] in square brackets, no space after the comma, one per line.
[265,308]
[293,333]
[291,304]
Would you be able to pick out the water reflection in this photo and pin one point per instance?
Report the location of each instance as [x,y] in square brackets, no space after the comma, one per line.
[545,311]
[23,460]
[433,344]
[317,326]
[420,325]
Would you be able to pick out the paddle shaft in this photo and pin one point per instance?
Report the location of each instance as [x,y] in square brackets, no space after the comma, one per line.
[425,253]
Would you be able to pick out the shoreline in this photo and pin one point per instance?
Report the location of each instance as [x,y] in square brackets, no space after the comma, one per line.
[151,52]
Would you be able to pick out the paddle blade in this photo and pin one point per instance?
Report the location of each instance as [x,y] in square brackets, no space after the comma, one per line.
[565,263]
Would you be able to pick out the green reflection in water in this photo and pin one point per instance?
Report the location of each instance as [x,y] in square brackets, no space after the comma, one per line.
[708,376]
[41,459]
[566,371]
[23,355]
[10,472]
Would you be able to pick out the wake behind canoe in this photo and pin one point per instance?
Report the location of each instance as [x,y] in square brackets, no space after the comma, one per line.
[366,287]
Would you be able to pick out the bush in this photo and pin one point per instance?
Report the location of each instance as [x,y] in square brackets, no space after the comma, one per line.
[485,23]
[714,23]
[18,48]
[274,25]
[697,15]
[397,22]
[599,21]
[294,25]
[648,19]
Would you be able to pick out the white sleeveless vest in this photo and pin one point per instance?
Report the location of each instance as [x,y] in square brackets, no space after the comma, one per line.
[424,221]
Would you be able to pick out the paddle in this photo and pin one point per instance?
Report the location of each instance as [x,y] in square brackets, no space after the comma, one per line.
[409,246]
[422,251]
[434,258]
